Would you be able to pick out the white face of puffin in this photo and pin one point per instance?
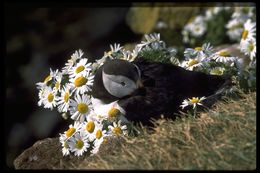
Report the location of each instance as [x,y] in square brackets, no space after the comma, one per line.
[118,85]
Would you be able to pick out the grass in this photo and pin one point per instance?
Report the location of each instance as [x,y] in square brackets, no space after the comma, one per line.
[223,138]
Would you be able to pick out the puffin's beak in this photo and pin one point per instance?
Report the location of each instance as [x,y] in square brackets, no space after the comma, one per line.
[139,84]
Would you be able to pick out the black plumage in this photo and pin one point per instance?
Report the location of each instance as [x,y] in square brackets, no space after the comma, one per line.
[165,86]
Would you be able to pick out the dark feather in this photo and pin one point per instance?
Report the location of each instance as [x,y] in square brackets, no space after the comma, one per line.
[165,87]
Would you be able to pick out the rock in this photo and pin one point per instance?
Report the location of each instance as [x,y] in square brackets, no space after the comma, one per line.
[45,154]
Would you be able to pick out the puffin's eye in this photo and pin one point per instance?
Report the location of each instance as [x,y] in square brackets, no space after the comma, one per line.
[122,83]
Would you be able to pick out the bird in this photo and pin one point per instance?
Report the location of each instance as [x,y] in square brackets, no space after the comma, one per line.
[145,90]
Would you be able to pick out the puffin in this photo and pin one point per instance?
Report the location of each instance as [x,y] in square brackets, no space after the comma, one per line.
[144,90]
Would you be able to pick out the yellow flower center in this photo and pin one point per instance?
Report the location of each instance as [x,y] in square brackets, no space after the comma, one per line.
[90,126]
[82,108]
[70,132]
[98,134]
[117,130]
[244,34]
[50,97]
[192,62]
[47,79]
[197,29]
[217,72]
[66,97]
[113,112]
[80,81]
[108,53]
[251,47]
[57,85]
[105,140]
[224,53]
[194,100]
[79,144]
[198,48]
[80,69]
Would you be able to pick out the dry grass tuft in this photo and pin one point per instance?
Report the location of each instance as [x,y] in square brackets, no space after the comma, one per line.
[222,139]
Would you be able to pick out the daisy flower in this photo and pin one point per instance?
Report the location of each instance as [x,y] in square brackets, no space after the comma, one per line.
[249,48]
[199,29]
[130,56]
[235,28]
[82,84]
[65,146]
[126,55]
[161,25]
[98,63]
[72,61]
[199,52]
[52,75]
[99,134]
[243,12]
[185,34]
[191,64]
[249,30]
[76,127]
[48,98]
[41,95]
[217,71]
[64,99]
[81,68]
[99,139]
[90,127]
[196,26]
[57,79]
[80,107]
[113,113]
[118,129]
[212,11]
[223,56]
[114,49]
[150,38]
[79,143]
[109,111]
[193,101]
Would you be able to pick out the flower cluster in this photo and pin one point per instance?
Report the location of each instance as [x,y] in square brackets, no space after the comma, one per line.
[240,28]
[205,59]
[69,90]
[197,26]
[236,23]
[244,32]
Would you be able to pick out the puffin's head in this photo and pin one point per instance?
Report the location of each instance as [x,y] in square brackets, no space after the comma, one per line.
[121,78]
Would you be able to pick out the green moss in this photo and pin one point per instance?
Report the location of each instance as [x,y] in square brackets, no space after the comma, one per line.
[156,55]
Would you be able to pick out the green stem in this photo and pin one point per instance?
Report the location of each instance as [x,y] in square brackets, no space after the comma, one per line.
[195,112]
